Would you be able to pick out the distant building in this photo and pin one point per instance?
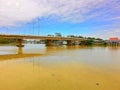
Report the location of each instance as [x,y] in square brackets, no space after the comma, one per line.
[114,41]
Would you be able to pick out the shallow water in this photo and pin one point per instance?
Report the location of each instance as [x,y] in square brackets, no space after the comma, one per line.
[36,67]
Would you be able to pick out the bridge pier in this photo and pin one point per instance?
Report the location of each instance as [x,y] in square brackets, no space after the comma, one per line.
[49,43]
[83,43]
[69,42]
[114,44]
[20,41]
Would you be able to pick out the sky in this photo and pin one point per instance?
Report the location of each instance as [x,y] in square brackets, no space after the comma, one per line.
[88,18]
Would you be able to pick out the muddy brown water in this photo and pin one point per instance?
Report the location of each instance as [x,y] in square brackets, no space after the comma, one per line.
[37,67]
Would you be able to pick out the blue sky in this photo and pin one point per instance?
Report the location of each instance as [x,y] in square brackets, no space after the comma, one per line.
[95,18]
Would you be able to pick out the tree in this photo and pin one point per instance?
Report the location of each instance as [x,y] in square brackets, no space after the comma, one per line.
[70,36]
[7,41]
[58,35]
[50,35]
[80,36]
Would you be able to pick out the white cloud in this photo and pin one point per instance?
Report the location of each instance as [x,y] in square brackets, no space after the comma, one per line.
[106,34]
[13,12]
[114,18]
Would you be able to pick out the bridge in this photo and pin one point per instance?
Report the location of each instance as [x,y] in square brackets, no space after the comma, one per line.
[48,39]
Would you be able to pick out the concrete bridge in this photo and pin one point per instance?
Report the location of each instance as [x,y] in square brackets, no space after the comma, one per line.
[48,39]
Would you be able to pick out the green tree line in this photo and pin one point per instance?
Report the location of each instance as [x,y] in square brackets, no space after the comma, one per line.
[7,41]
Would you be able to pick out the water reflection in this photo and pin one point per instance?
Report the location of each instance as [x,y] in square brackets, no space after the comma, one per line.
[18,54]
[73,50]
[114,48]
[20,50]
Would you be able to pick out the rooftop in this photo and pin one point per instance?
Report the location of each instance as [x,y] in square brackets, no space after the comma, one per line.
[114,39]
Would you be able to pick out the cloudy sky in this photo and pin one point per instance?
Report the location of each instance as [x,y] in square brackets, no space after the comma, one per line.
[99,18]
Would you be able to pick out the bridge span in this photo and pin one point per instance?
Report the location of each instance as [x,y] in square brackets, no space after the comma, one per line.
[48,39]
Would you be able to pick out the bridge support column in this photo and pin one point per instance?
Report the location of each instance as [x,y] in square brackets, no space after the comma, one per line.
[49,43]
[114,44]
[69,42]
[20,43]
[83,43]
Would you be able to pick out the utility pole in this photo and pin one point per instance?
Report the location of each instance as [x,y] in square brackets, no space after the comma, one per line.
[33,27]
[38,26]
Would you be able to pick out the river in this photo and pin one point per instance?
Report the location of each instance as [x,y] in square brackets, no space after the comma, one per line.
[37,67]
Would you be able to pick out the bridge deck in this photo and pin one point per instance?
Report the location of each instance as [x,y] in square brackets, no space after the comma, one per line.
[40,37]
